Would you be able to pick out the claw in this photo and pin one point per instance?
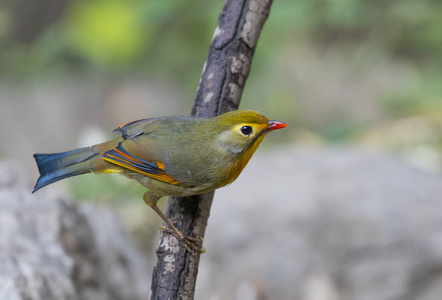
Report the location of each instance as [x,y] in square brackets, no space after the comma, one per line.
[193,245]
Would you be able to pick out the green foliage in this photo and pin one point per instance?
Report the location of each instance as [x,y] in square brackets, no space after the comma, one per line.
[170,39]
[405,28]
[160,35]
[107,32]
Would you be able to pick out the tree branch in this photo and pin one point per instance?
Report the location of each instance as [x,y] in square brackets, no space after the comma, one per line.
[222,83]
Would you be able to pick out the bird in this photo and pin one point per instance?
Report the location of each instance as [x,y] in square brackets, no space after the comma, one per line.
[170,156]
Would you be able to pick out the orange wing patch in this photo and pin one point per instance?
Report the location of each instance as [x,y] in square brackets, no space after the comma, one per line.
[153,169]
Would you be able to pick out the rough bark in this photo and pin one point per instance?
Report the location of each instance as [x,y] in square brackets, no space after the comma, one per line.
[222,82]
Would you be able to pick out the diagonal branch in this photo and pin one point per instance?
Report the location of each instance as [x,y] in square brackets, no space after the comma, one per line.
[222,83]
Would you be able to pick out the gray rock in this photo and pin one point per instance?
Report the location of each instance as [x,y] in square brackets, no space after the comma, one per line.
[51,248]
[325,225]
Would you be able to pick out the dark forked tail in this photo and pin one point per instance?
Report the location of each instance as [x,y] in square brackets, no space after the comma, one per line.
[57,166]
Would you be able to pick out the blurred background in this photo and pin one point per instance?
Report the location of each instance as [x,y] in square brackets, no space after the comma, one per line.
[342,71]
[358,74]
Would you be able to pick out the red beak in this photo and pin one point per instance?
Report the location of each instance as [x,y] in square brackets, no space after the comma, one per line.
[275,125]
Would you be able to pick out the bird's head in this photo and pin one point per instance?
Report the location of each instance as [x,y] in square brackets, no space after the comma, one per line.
[242,130]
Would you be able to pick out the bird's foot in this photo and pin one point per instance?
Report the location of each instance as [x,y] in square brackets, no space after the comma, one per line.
[193,245]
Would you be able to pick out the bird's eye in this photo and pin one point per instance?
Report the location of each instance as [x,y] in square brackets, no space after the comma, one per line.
[246,130]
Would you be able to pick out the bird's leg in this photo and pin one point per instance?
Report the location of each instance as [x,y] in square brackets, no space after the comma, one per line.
[191,244]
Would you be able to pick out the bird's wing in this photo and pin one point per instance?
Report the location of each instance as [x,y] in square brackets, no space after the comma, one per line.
[150,168]
[139,127]
[139,149]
